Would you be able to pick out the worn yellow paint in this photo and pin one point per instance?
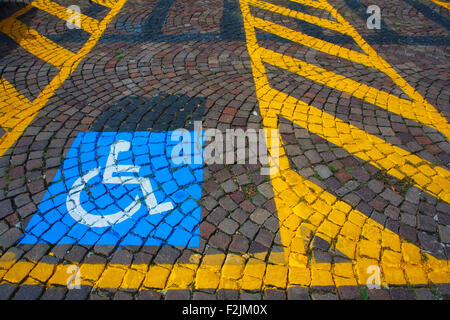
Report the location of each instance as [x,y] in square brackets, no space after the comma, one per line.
[16,111]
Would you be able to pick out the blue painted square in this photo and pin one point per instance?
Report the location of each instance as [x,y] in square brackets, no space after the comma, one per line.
[121,188]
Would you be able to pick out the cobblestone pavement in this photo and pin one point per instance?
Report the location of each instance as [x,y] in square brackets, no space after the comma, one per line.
[358,189]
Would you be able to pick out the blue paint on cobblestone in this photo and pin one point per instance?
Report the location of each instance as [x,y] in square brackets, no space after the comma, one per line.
[178,184]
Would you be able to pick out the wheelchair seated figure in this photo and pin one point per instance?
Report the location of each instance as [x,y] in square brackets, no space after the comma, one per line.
[112,174]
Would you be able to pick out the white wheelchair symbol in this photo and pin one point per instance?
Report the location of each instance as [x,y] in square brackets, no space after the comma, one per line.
[111,175]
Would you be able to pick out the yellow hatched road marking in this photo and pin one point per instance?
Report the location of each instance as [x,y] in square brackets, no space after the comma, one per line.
[418,109]
[376,151]
[298,15]
[35,43]
[317,44]
[16,100]
[88,24]
[414,110]
[48,51]
[302,205]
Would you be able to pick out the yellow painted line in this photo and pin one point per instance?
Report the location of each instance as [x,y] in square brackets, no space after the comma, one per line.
[400,262]
[66,61]
[446,5]
[87,23]
[414,110]
[298,15]
[35,43]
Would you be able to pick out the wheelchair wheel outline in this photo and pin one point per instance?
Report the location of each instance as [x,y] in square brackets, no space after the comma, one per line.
[80,215]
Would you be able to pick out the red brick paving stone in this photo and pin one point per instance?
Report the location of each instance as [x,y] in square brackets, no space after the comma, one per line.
[247,206]
[349,293]
[378,203]
[207,229]
[273,294]
[149,295]
[343,175]
[298,293]
[401,294]
[10,238]
[7,291]
[177,295]
[220,240]
[378,294]
[425,294]
[119,295]
[238,196]
[28,292]
[5,208]
[54,293]
[324,296]
[444,290]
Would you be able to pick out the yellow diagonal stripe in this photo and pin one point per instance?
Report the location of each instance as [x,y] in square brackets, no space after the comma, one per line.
[298,15]
[87,23]
[385,67]
[12,105]
[107,3]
